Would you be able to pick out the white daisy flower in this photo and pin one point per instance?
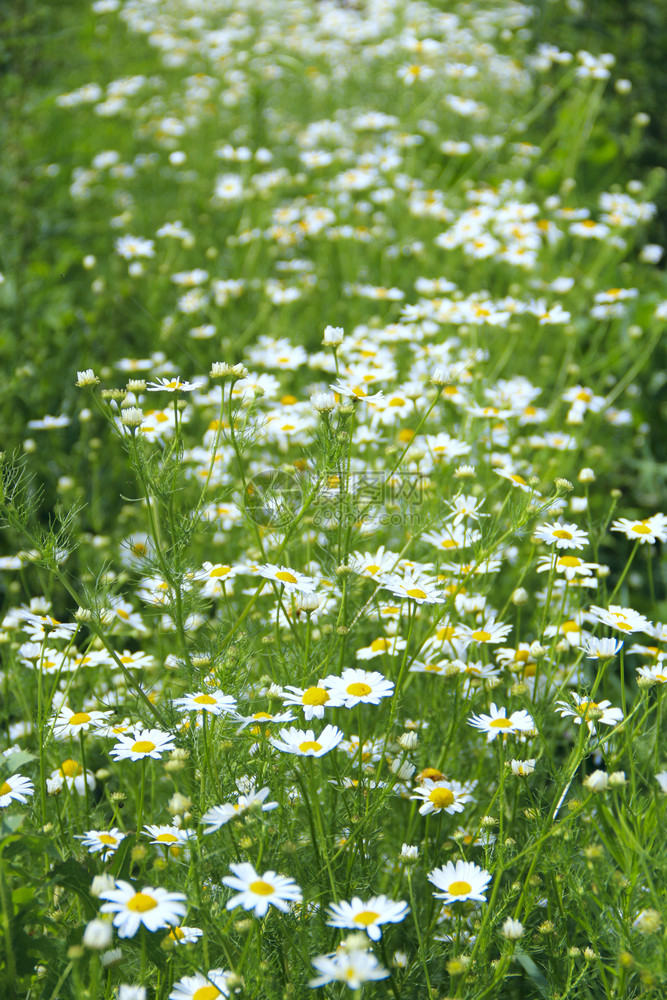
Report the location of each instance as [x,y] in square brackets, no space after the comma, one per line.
[460,881]
[15,789]
[391,645]
[313,700]
[154,908]
[71,774]
[258,892]
[142,743]
[198,987]
[217,816]
[303,743]
[563,536]
[290,579]
[354,968]
[68,724]
[173,384]
[623,619]
[106,842]
[443,796]
[498,723]
[589,711]
[368,915]
[185,935]
[359,687]
[214,702]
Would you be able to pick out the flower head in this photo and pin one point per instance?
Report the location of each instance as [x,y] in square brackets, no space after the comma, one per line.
[460,881]
[154,908]
[257,892]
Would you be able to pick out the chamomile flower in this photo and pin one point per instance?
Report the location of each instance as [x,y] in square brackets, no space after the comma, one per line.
[184,935]
[142,743]
[154,908]
[569,566]
[214,702]
[15,789]
[601,649]
[168,836]
[290,579]
[589,711]
[217,816]
[313,700]
[71,775]
[70,724]
[563,536]
[367,915]
[459,882]
[173,384]
[623,619]
[490,632]
[359,687]
[352,967]
[442,796]
[646,532]
[104,842]
[199,987]
[498,723]
[653,675]
[390,645]
[257,892]
[417,589]
[304,743]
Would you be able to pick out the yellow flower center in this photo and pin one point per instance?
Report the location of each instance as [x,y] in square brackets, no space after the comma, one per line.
[71,769]
[449,543]
[521,655]
[106,838]
[373,569]
[206,993]
[166,838]
[6,788]
[366,917]
[141,902]
[315,696]
[445,634]
[143,746]
[310,745]
[220,571]
[459,888]
[286,577]
[261,888]
[379,644]
[417,592]
[519,479]
[262,716]
[176,934]
[563,533]
[441,797]
[570,627]
[501,723]
[79,718]
[481,636]
[570,562]
[641,529]
[358,689]
[204,699]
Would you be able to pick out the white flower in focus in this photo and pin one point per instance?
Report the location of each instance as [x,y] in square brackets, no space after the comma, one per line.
[258,892]
[154,908]
[367,915]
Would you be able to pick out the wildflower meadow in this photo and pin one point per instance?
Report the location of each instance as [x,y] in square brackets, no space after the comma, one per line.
[333,620]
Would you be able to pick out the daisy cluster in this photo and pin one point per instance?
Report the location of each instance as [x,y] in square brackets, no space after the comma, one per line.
[361,676]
